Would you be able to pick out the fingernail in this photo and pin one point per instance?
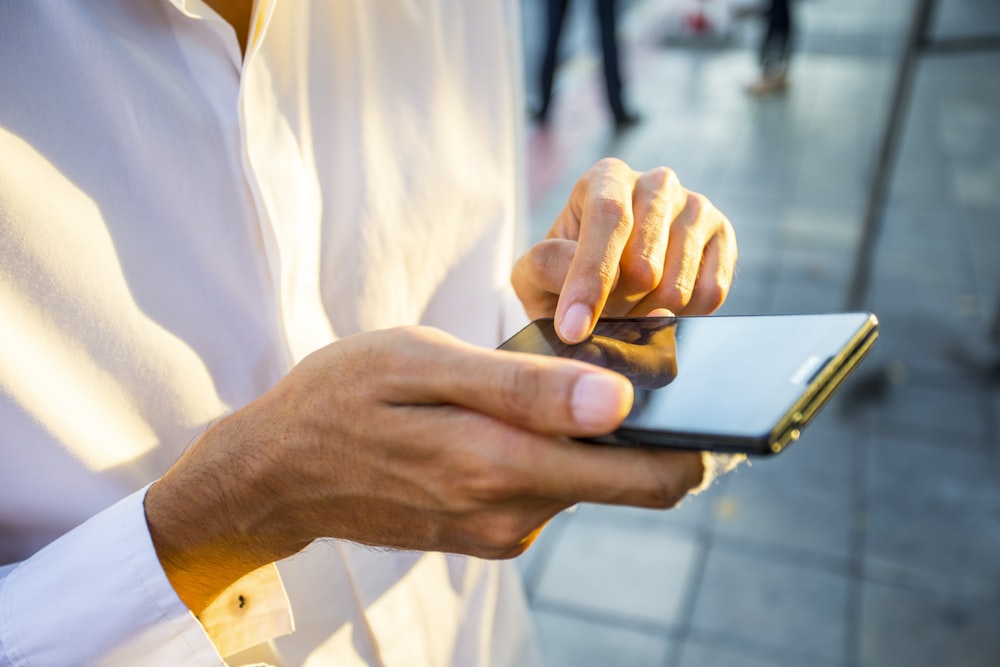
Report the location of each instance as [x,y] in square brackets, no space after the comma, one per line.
[598,401]
[575,325]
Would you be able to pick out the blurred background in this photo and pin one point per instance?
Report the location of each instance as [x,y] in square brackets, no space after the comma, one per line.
[866,176]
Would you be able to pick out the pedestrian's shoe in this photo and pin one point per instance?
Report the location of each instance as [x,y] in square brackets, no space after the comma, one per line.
[626,119]
[769,83]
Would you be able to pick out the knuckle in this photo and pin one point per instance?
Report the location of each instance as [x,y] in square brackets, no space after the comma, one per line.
[712,293]
[704,212]
[612,208]
[663,179]
[610,164]
[408,338]
[699,201]
[675,295]
[643,274]
[553,255]
[393,359]
[484,485]
[520,389]
[480,476]
[695,207]
[422,335]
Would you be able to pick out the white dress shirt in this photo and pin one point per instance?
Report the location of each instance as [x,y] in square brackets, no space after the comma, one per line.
[179,225]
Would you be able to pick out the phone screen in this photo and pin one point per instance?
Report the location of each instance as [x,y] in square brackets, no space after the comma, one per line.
[721,382]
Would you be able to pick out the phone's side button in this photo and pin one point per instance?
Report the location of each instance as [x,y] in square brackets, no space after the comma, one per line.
[789,438]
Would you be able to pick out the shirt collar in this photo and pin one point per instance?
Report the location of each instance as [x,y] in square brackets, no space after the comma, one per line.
[262,12]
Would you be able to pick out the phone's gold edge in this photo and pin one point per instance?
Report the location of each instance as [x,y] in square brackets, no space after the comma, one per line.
[784,434]
[804,413]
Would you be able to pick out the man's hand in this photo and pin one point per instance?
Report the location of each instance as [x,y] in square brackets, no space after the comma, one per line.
[626,244]
[403,438]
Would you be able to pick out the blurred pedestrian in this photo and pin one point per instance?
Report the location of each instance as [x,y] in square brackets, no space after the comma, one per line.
[775,50]
[606,14]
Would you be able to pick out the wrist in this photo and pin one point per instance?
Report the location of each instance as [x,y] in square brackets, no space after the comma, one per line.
[215,516]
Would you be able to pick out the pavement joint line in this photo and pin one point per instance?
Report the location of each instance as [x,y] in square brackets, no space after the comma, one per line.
[609,618]
[936,383]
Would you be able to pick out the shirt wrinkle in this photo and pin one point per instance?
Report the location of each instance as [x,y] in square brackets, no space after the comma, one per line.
[195,323]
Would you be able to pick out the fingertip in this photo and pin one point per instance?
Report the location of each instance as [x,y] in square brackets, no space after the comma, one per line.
[576,323]
[600,401]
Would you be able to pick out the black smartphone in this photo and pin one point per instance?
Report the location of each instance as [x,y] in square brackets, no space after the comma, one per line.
[730,383]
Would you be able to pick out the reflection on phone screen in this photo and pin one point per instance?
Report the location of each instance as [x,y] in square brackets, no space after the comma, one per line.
[643,351]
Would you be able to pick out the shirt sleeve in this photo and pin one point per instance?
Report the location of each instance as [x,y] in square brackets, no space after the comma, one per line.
[716,465]
[98,596]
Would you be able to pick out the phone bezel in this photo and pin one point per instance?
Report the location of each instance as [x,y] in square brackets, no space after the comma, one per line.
[815,394]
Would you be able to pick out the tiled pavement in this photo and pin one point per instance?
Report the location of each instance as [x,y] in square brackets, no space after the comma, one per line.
[875,541]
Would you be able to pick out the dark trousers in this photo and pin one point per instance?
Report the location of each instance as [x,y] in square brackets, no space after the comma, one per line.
[776,46]
[606,17]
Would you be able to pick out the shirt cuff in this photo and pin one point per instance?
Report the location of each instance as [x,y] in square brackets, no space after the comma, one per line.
[716,465]
[98,595]
[252,610]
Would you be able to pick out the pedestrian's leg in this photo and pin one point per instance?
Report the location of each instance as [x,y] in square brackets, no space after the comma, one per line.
[556,14]
[607,20]
[775,49]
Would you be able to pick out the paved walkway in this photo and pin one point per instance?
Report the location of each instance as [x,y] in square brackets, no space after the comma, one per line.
[875,540]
